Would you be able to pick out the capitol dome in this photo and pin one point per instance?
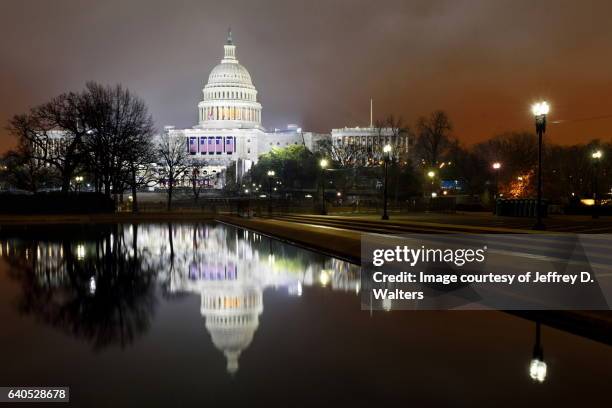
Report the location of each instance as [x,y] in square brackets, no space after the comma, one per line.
[229,98]
[230,74]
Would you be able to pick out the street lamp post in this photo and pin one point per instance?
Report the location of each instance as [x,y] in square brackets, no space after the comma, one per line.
[496,166]
[79,180]
[387,157]
[540,110]
[597,155]
[248,197]
[323,163]
[431,174]
[271,175]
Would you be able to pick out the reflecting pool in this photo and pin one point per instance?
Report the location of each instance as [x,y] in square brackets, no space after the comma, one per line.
[190,314]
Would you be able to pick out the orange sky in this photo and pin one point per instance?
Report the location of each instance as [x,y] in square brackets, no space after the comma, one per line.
[483,62]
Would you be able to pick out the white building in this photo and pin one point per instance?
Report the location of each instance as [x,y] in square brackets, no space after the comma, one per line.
[229,129]
[371,140]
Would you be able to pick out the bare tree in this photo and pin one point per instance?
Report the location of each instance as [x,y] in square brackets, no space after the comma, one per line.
[517,151]
[24,171]
[345,155]
[468,166]
[433,137]
[54,131]
[173,158]
[196,176]
[139,165]
[396,127]
[119,140]
[103,130]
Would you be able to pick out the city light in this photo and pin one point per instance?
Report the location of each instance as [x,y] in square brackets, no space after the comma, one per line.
[323,163]
[431,174]
[324,278]
[387,148]
[537,370]
[540,108]
[387,304]
[92,285]
[596,155]
[80,252]
[271,173]
[496,165]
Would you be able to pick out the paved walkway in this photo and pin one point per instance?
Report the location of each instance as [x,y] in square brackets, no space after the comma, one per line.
[555,223]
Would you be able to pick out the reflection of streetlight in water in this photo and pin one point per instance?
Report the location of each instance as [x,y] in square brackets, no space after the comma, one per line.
[324,278]
[387,304]
[92,285]
[80,252]
[537,367]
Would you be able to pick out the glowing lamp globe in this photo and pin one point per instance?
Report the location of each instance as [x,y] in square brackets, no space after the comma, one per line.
[540,108]
[537,370]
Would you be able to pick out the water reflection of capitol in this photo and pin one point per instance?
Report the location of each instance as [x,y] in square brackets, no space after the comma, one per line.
[229,268]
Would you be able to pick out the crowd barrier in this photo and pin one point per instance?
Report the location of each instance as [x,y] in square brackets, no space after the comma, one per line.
[520,207]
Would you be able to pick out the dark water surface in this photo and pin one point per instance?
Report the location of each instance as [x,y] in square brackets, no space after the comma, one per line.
[210,315]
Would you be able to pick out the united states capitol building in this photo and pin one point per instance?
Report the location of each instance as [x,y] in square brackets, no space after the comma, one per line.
[230,132]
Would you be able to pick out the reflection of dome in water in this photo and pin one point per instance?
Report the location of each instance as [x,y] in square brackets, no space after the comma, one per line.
[232,316]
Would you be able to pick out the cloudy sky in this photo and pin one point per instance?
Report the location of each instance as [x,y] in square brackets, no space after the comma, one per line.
[317,62]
